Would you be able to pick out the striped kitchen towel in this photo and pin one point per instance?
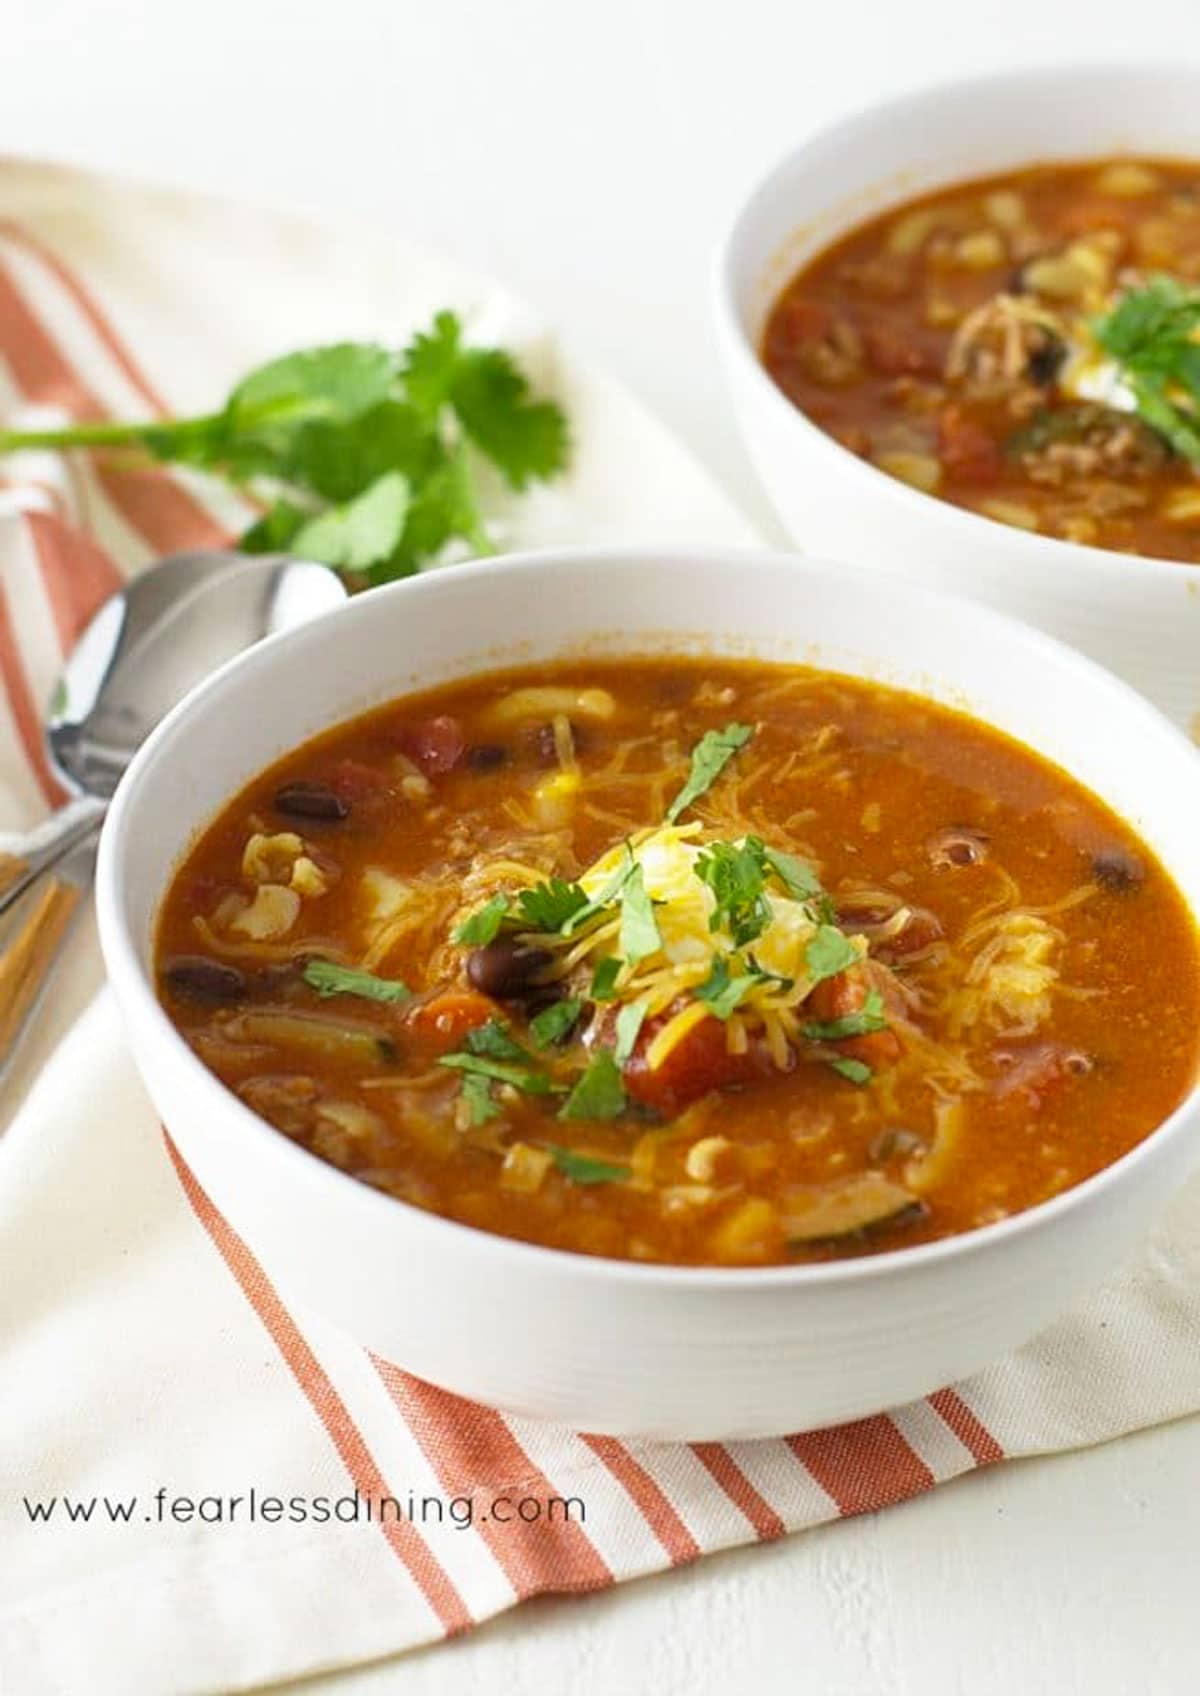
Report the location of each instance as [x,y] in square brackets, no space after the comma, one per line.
[202,1490]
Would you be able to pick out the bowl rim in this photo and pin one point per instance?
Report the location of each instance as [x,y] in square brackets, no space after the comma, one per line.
[733,332]
[146,1020]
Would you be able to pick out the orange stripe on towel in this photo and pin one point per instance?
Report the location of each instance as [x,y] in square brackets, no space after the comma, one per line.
[967,1426]
[672,1534]
[100,324]
[729,1475]
[77,574]
[863,1465]
[427,1572]
[475,1454]
[25,710]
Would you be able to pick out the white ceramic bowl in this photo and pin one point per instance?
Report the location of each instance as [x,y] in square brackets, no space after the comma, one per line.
[1140,617]
[607,1345]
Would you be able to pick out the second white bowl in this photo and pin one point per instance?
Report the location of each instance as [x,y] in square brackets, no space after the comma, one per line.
[1140,617]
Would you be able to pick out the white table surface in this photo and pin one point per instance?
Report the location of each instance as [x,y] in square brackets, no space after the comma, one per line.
[590,156]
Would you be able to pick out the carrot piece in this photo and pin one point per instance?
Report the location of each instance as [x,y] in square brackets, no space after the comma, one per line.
[443,1020]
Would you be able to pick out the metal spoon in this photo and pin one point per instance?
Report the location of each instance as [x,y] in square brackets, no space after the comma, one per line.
[145,648]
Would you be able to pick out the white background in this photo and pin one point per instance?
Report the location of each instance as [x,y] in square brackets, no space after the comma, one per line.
[590,156]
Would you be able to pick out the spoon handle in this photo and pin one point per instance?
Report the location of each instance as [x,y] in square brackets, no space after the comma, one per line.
[25,855]
[33,941]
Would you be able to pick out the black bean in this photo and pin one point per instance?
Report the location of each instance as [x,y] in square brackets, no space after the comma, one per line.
[311,801]
[1045,362]
[196,978]
[506,968]
[487,756]
[1117,870]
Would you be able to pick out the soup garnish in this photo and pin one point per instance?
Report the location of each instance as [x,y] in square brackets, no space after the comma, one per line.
[1022,346]
[707,962]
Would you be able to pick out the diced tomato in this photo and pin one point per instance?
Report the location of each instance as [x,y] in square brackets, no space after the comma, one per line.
[836,997]
[799,320]
[441,1022]
[436,744]
[965,448]
[699,1062]
[354,780]
[894,353]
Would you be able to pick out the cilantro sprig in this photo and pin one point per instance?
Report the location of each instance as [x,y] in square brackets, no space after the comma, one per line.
[1151,334]
[363,455]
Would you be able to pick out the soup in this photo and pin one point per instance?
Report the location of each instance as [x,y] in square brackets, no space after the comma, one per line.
[706,962]
[1021,346]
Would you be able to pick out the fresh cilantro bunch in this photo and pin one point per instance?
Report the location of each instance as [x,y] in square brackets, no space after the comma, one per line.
[1152,333]
[362,455]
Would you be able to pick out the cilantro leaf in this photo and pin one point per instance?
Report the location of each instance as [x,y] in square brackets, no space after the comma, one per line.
[555,1022]
[526,1078]
[493,1039]
[336,382]
[604,897]
[550,906]
[1149,333]
[328,979]
[604,978]
[795,874]
[477,1093]
[352,537]
[710,756]
[484,924]
[855,1071]
[584,1169]
[723,992]
[599,1093]
[629,1024]
[869,1017]
[525,439]
[829,952]
[737,876]
[275,531]
[638,937]
[488,394]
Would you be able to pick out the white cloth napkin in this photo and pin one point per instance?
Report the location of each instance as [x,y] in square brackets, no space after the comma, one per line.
[149,1374]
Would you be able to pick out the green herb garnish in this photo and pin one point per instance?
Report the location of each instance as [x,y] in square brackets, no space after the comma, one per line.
[638,937]
[856,1071]
[604,978]
[795,874]
[551,905]
[359,452]
[583,1169]
[493,1040]
[737,877]
[1150,334]
[526,1078]
[710,756]
[869,1017]
[723,991]
[330,979]
[477,1093]
[599,1093]
[629,1024]
[555,1022]
[483,926]
[829,952]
